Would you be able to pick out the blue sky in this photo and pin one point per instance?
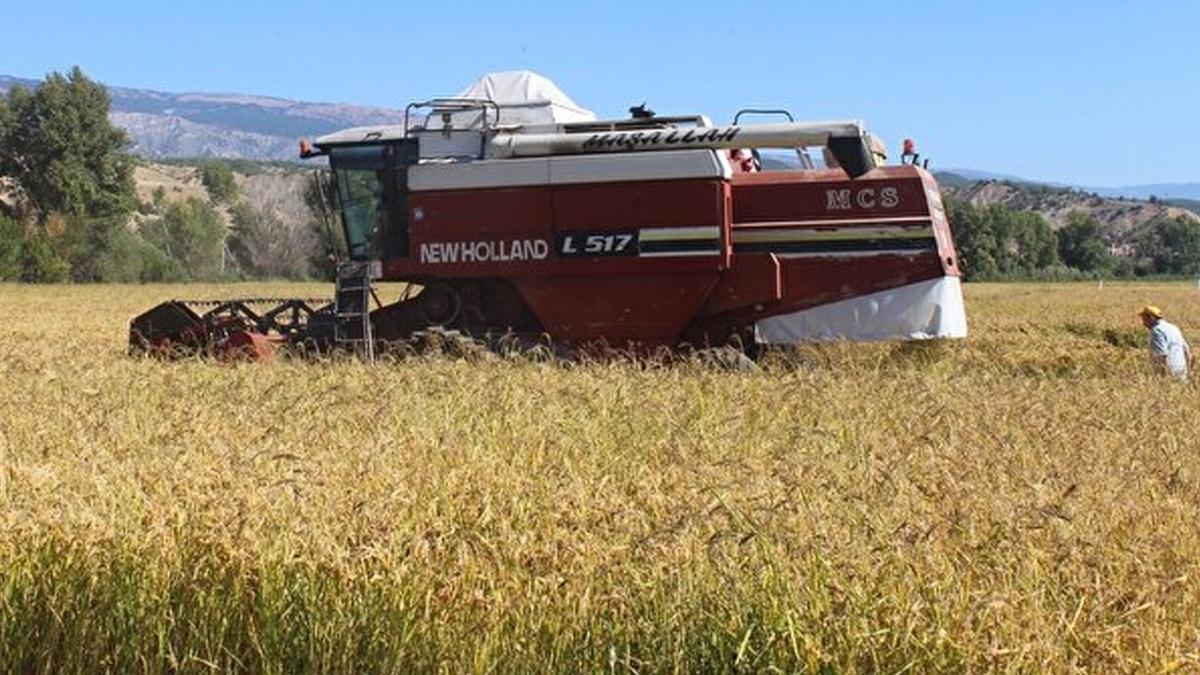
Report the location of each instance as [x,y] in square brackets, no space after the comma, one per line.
[1095,93]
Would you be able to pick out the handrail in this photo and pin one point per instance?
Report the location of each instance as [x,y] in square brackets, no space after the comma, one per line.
[459,104]
[763,111]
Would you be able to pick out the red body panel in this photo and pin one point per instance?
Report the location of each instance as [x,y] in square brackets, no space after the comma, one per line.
[757,279]
[621,298]
[775,196]
[678,203]
[617,309]
[780,242]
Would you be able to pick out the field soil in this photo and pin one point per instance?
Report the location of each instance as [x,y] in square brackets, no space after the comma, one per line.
[1025,500]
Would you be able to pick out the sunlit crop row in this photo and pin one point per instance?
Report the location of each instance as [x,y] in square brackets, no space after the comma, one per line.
[1026,500]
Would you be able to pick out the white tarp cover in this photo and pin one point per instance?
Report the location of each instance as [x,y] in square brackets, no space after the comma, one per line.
[928,309]
[524,97]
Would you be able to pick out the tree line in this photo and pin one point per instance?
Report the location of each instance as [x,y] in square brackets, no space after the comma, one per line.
[72,212]
[998,243]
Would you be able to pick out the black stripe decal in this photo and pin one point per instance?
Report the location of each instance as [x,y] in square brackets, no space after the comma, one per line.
[824,224]
[681,245]
[842,246]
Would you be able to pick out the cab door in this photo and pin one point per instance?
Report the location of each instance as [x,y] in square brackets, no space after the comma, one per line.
[398,156]
[372,196]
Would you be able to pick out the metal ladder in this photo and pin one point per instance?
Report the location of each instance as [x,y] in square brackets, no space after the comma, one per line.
[352,308]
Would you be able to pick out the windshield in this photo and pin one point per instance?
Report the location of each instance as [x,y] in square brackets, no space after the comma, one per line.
[788,159]
[359,172]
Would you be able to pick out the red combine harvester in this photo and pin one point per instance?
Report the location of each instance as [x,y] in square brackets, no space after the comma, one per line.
[515,212]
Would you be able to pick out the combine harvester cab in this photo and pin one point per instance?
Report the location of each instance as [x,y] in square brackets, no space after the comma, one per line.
[518,213]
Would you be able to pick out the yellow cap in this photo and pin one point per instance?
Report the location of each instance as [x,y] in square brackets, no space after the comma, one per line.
[1151,310]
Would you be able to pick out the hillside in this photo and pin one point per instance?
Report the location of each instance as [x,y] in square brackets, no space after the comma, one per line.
[275,188]
[956,177]
[235,126]
[277,191]
[1192,205]
[1119,217]
[1168,191]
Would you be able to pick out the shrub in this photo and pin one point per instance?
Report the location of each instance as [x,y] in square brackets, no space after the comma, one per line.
[192,233]
[10,249]
[40,263]
[218,180]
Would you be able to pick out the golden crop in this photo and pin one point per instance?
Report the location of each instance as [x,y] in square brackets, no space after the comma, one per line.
[1027,500]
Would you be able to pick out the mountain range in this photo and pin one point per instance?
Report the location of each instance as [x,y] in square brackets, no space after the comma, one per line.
[234,126]
[164,125]
[1165,191]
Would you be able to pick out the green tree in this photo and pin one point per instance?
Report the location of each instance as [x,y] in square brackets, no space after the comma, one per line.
[122,260]
[264,245]
[997,242]
[40,262]
[1173,245]
[219,182]
[85,243]
[158,266]
[63,152]
[1081,244]
[192,233]
[69,166]
[1036,244]
[6,123]
[974,238]
[11,238]
[129,258]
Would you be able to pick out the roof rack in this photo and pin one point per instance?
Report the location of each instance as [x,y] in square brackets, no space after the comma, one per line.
[452,104]
[633,124]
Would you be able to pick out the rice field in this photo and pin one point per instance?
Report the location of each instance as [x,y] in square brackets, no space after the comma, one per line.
[1026,500]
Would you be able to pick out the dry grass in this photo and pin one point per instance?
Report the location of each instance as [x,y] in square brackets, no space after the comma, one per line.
[1023,501]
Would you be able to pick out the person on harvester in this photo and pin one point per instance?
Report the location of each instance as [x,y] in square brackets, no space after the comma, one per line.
[1169,351]
[744,160]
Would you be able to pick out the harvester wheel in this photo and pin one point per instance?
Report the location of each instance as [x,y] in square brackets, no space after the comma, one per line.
[729,359]
[439,341]
[440,304]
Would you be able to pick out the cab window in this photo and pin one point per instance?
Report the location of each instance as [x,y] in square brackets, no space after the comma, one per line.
[359,173]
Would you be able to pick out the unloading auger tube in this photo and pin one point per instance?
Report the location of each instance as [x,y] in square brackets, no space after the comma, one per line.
[848,141]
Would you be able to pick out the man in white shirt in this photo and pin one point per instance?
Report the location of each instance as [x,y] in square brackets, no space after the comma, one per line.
[1169,352]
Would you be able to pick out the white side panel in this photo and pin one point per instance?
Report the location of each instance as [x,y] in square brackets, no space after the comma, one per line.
[929,309]
[491,173]
[635,166]
[482,174]
[723,161]
[459,143]
[374,134]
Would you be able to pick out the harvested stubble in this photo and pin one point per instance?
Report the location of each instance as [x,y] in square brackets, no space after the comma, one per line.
[1023,501]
